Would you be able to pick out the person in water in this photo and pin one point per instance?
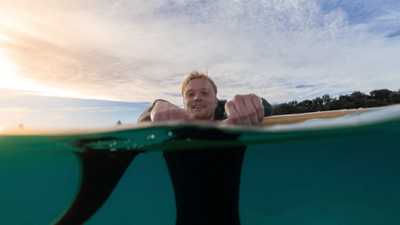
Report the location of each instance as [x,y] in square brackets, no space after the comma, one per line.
[206,182]
[200,101]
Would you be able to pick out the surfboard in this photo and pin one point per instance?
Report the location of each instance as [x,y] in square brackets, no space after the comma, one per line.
[297,169]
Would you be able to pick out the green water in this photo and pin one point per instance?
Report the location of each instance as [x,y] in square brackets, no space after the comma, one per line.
[346,175]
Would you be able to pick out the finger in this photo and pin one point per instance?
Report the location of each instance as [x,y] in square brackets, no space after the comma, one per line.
[259,107]
[155,117]
[243,114]
[181,115]
[177,117]
[252,111]
[189,118]
[185,116]
[174,115]
[228,121]
[231,112]
[158,117]
[165,117]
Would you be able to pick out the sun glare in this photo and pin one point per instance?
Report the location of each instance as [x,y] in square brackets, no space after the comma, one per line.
[7,72]
[8,77]
[2,37]
[10,80]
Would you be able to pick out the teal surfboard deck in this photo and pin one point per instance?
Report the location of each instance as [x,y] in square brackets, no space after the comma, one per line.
[334,171]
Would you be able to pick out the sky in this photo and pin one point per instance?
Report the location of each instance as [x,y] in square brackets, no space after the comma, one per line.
[90,63]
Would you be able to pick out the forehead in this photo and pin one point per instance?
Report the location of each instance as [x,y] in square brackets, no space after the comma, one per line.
[198,83]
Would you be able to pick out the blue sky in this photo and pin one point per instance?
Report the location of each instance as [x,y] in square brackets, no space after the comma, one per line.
[36,111]
[124,54]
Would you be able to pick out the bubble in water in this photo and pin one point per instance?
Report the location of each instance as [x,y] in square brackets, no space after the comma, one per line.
[152,136]
[169,133]
[113,149]
[110,145]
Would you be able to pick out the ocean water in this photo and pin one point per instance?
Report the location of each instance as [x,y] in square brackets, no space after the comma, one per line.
[337,171]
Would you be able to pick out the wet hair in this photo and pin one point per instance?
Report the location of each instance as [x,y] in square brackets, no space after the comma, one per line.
[197,75]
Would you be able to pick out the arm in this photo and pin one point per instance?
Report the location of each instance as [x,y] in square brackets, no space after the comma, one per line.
[162,110]
[145,116]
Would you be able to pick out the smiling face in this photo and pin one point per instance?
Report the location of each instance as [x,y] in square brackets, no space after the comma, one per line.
[200,99]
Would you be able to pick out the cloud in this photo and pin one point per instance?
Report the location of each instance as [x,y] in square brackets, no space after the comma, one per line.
[139,51]
[93,109]
[15,110]
[67,109]
[62,117]
[174,94]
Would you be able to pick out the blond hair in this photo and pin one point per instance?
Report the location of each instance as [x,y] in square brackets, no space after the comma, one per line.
[197,75]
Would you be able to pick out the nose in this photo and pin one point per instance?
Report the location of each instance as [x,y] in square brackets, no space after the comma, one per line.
[197,96]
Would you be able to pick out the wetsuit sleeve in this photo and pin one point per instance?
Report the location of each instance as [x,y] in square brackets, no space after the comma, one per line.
[145,117]
[268,109]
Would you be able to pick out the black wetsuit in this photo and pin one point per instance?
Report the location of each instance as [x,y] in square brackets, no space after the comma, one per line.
[206,182]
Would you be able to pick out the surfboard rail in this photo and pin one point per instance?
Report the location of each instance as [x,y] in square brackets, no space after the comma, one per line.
[301,117]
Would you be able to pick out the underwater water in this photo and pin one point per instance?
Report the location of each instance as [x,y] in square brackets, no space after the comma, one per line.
[329,172]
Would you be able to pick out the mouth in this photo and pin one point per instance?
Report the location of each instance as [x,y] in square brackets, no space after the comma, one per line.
[198,107]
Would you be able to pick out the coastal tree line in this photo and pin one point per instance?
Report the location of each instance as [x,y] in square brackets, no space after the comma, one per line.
[355,100]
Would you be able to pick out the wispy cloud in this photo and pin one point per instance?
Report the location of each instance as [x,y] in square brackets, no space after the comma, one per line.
[68,109]
[94,109]
[142,50]
[174,94]
[31,110]
[15,110]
